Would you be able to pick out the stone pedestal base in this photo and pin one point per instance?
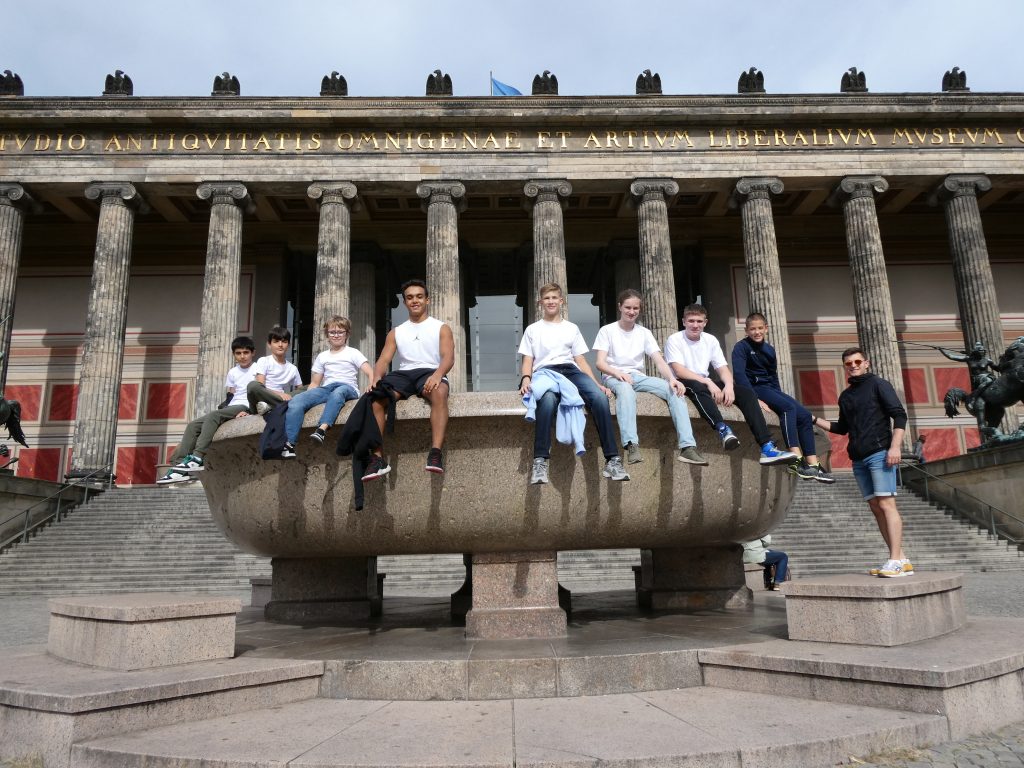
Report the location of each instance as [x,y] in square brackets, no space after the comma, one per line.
[140,631]
[327,590]
[867,610]
[692,579]
[515,595]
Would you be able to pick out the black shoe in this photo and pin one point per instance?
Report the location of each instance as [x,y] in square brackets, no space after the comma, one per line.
[319,435]
[288,452]
[435,462]
[376,468]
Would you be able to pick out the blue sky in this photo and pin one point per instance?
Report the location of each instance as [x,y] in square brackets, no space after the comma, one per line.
[284,48]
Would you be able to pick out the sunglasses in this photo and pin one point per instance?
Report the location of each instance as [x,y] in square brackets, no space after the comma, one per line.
[854,363]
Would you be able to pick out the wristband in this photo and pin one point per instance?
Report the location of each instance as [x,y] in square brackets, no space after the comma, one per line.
[523,378]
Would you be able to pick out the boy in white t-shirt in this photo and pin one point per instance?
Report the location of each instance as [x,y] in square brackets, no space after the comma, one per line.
[274,378]
[621,347]
[334,380]
[693,354]
[187,458]
[555,344]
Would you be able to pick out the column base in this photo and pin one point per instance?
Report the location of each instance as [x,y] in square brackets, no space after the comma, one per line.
[314,590]
[692,579]
[515,596]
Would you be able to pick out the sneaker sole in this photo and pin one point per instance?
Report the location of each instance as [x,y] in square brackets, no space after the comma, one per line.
[435,470]
[625,476]
[173,482]
[375,475]
[691,461]
[764,461]
[635,461]
[892,574]
[825,480]
[316,439]
[192,470]
[538,481]
[731,443]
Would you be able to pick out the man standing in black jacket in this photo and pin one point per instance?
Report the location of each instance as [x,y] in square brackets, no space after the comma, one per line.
[872,415]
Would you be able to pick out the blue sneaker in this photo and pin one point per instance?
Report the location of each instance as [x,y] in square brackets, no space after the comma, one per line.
[772,455]
[729,440]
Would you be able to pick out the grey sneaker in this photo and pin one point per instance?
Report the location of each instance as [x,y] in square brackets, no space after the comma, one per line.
[614,470]
[633,453]
[262,407]
[690,455]
[540,471]
[804,471]
[822,476]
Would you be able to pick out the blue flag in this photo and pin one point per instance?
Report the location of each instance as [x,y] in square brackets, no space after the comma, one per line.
[500,89]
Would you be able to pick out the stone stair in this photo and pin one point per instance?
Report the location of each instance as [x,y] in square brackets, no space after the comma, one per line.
[131,540]
[829,530]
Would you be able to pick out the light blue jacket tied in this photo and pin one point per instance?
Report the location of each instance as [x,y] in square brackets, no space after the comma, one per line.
[569,421]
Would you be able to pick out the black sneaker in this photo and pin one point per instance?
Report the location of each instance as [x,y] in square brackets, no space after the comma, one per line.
[288,452]
[319,435]
[435,462]
[377,467]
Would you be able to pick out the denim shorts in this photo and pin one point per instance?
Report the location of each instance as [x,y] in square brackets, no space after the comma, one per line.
[873,477]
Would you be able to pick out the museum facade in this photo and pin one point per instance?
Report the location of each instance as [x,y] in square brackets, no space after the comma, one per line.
[138,236]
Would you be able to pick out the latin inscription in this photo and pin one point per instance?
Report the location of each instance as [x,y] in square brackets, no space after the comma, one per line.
[412,141]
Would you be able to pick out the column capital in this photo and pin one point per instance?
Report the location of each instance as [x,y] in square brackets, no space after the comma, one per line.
[441,191]
[332,191]
[548,190]
[122,190]
[960,185]
[653,189]
[755,188]
[16,196]
[226,192]
[853,187]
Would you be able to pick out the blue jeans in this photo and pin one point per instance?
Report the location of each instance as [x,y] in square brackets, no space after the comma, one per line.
[873,477]
[334,394]
[625,407]
[780,560]
[796,421]
[596,402]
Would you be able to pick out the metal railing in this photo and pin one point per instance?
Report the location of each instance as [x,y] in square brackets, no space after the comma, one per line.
[936,490]
[87,482]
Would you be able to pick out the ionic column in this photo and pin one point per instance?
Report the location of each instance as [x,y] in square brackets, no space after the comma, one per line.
[219,314]
[761,257]
[14,201]
[548,236]
[972,272]
[99,383]
[656,276]
[443,273]
[333,251]
[872,302]
[363,311]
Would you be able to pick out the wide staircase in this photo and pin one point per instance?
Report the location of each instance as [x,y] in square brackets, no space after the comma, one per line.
[131,540]
[163,539]
[829,529]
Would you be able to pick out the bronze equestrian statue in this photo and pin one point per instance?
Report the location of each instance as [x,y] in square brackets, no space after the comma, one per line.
[990,395]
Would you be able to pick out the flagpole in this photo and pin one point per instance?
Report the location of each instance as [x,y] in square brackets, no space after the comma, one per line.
[490,77]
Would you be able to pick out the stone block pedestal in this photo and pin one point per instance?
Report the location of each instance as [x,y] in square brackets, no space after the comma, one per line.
[515,595]
[867,610]
[326,589]
[140,631]
[692,579]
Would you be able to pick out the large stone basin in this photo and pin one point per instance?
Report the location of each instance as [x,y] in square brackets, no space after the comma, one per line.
[300,512]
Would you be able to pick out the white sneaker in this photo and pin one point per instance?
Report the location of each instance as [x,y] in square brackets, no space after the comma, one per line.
[540,471]
[614,470]
[892,570]
[174,476]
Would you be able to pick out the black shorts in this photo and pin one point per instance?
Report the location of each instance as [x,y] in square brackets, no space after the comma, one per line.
[409,383]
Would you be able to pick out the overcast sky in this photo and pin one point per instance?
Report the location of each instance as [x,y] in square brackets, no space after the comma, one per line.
[284,48]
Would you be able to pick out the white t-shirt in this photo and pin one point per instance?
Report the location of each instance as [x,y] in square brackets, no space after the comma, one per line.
[418,345]
[237,380]
[281,377]
[626,349]
[699,356]
[342,366]
[552,343]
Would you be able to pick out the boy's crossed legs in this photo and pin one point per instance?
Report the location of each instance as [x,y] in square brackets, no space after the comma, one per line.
[406,384]
[333,395]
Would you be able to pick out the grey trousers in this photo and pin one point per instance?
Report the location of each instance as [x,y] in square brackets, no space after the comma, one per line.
[199,432]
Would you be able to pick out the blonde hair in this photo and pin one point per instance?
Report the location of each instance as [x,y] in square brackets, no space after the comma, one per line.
[548,288]
[337,321]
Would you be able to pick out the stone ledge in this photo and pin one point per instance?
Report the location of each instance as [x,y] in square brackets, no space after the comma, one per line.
[138,631]
[864,585]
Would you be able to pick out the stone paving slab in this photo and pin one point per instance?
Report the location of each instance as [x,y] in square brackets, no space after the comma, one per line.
[698,727]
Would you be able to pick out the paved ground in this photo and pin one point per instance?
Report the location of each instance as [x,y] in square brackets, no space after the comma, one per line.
[25,620]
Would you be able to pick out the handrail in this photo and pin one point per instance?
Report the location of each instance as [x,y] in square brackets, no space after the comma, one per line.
[990,511]
[105,471]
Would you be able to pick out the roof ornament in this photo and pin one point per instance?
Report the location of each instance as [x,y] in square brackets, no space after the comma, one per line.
[439,84]
[226,84]
[853,82]
[545,85]
[648,84]
[118,84]
[751,81]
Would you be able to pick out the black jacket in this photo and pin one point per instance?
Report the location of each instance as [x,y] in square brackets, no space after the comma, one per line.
[755,364]
[865,410]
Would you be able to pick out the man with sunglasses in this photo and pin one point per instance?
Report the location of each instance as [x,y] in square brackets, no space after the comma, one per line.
[871,413]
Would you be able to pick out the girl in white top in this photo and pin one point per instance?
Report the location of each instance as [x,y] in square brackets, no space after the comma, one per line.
[335,379]
[621,347]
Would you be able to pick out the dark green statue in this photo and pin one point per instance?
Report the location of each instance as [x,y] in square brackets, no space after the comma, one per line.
[990,395]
